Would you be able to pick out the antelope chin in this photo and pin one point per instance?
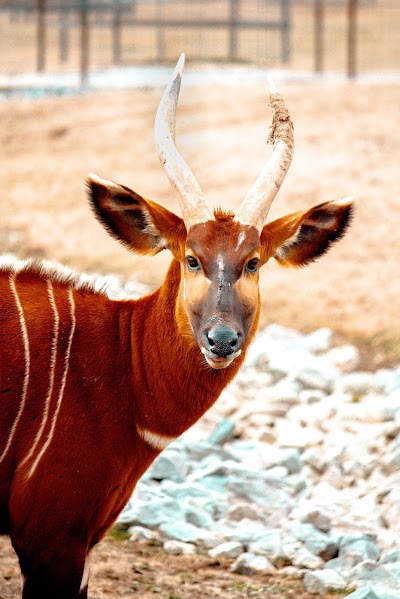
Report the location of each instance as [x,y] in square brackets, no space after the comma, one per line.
[219,363]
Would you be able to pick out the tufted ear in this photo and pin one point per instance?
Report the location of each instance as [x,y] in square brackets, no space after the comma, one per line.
[301,237]
[142,225]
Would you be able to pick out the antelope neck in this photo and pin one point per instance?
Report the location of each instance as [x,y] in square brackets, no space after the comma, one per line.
[176,385]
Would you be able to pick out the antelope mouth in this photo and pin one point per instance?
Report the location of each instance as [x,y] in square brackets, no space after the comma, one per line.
[219,362]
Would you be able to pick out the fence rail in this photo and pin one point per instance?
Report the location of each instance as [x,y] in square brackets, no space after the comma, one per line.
[319,35]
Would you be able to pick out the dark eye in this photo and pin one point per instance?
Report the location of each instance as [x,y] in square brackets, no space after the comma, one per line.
[192,263]
[252,265]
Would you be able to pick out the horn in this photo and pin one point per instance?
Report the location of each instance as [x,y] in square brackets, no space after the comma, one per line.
[256,205]
[194,206]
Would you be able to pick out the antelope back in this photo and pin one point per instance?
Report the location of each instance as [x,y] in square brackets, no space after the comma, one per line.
[60,378]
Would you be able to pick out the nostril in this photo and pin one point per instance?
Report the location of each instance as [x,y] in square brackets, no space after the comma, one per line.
[210,340]
[222,341]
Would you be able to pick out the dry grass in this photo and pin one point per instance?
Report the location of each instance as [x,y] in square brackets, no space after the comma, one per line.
[347,143]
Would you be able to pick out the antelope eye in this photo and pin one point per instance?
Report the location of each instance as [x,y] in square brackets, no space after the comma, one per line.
[192,263]
[252,265]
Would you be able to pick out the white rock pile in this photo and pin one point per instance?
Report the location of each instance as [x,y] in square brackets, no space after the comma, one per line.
[300,475]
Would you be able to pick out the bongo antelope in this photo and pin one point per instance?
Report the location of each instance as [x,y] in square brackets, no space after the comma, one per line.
[92,390]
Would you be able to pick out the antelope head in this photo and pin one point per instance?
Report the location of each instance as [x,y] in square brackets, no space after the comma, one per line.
[220,253]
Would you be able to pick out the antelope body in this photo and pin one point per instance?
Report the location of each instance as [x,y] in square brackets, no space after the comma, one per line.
[92,390]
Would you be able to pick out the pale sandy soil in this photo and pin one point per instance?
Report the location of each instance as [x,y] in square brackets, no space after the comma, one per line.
[125,569]
[347,142]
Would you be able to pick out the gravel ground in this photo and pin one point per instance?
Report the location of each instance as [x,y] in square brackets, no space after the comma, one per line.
[127,569]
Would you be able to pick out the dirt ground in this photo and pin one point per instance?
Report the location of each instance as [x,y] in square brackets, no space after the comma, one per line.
[126,569]
[347,140]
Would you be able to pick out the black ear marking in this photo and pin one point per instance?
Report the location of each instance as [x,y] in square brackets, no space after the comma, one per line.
[125,215]
[317,231]
[125,200]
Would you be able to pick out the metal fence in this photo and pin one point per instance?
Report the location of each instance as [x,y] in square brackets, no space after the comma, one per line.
[320,35]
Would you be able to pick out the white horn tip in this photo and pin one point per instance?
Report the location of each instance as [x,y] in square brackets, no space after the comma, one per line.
[180,64]
[271,84]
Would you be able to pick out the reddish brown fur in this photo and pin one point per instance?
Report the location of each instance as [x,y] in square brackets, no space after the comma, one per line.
[96,455]
[133,365]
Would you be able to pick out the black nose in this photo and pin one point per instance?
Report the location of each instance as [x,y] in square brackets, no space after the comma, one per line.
[222,341]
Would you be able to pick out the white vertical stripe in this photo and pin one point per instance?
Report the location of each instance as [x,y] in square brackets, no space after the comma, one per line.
[241,238]
[52,367]
[62,386]
[25,340]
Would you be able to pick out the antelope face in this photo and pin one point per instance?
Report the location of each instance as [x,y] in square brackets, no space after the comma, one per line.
[219,288]
[220,253]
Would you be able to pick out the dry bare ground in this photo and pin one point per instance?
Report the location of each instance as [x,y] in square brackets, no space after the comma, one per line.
[125,569]
[347,140]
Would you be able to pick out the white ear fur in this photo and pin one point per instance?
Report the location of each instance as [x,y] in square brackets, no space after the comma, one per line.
[100,181]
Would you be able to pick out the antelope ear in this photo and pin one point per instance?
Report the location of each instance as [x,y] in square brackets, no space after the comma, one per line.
[301,237]
[142,225]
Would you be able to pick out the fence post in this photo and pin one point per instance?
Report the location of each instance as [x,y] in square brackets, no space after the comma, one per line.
[233,30]
[63,35]
[84,42]
[116,31]
[285,16]
[352,10]
[160,32]
[41,35]
[318,36]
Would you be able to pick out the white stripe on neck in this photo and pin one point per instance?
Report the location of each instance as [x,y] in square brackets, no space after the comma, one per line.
[155,440]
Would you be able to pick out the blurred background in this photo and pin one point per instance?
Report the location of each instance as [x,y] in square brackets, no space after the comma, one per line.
[80,83]
[311,35]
